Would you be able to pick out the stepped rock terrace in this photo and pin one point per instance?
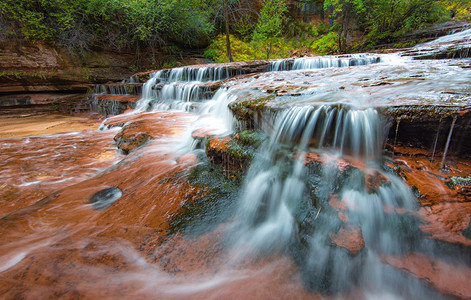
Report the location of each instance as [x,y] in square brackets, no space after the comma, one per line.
[341,177]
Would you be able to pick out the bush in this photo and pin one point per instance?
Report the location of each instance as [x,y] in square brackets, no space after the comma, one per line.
[242,51]
[117,23]
[327,44]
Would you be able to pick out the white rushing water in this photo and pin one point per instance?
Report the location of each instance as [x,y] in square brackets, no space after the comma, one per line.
[284,206]
[323,62]
[179,88]
[461,36]
[285,200]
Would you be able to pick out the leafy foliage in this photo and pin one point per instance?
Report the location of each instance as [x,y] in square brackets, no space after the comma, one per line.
[119,23]
[243,51]
[459,9]
[382,20]
[269,26]
[327,44]
[245,29]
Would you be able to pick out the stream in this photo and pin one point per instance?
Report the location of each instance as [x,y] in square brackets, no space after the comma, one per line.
[338,177]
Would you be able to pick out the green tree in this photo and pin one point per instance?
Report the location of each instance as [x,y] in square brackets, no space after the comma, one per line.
[270,24]
[382,20]
[231,12]
[107,23]
[342,11]
[460,9]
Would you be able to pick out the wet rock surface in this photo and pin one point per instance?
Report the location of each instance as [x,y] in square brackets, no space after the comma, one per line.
[99,251]
[233,69]
[105,198]
[57,259]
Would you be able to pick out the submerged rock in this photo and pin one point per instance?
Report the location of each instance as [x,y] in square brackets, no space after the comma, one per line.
[105,198]
[349,238]
[235,153]
[129,138]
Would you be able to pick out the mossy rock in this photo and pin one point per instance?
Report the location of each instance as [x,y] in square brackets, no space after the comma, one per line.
[455,181]
[227,153]
[250,138]
[211,203]
[128,141]
[247,110]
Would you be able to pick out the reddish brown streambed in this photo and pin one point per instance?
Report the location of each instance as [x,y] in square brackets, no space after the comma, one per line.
[59,247]
[53,244]
[445,213]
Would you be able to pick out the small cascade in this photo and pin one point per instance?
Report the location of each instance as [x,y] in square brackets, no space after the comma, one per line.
[117,89]
[398,122]
[214,117]
[442,165]
[323,62]
[461,36]
[204,74]
[148,90]
[436,141]
[105,107]
[275,186]
[285,202]
[354,132]
[180,88]
[100,89]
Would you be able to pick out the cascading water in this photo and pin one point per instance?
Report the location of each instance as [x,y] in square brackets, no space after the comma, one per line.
[286,203]
[325,62]
[180,89]
[213,115]
[456,37]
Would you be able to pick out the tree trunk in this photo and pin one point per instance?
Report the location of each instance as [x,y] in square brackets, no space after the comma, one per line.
[345,23]
[228,40]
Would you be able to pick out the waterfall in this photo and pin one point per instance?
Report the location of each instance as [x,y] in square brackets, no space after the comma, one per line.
[148,91]
[322,62]
[357,132]
[285,202]
[204,74]
[213,116]
[180,87]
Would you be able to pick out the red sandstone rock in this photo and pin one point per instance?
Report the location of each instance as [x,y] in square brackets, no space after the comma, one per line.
[118,98]
[219,143]
[445,212]
[449,279]
[349,238]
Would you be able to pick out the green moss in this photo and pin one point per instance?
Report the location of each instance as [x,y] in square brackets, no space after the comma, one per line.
[456,180]
[22,75]
[420,112]
[210,205]
[236,156]
[143,78]
[251,138]
[245,110]
[405,44]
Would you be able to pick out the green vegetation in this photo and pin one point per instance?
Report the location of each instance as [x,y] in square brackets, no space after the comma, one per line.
[459,9]
[17,75]
[279,33]
[83,24]
[243,51]
[233,29]
[454,181]
[269,25]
